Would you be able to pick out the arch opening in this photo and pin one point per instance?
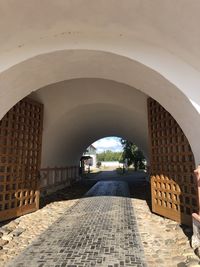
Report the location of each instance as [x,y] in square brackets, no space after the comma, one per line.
[102,107]
[114,153]
[64,65]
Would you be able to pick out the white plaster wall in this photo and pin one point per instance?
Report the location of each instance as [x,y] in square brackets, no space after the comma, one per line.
[150,45]
[163,35]
[62,65]
[81,111]
[111,164]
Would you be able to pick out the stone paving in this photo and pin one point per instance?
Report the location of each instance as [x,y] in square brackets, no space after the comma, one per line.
[165,243]
[99,230]
[32,225]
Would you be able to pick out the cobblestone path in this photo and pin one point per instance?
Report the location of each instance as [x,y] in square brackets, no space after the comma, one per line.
[99,230]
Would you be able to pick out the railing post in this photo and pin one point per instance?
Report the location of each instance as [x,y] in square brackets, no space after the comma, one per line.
[52,177]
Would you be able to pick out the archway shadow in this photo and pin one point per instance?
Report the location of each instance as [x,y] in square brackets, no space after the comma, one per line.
[138,183]
[85,190]
[139,188]
[101,221]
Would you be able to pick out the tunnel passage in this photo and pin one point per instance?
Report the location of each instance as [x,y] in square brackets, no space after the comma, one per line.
[76,113]
[94,63]
[80,111]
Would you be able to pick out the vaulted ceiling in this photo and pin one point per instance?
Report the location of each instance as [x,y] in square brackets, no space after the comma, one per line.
[150,46]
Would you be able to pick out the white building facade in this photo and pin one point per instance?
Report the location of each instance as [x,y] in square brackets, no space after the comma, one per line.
[92,161]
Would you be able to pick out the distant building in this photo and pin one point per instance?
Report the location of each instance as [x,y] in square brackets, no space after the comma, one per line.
[91,157]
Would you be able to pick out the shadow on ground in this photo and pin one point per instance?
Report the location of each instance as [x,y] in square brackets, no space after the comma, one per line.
[138,184]
[139,187]
[99,230]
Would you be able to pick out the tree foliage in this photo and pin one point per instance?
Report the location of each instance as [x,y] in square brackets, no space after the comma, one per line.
[133,155]
[109,155]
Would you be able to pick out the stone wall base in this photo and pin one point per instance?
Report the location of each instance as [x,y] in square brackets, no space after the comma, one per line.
[52,189]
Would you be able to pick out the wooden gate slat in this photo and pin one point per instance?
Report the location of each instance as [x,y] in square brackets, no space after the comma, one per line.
[173,187]
[20,159]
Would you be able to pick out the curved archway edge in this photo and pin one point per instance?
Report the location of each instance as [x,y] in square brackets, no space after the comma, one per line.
[42,70]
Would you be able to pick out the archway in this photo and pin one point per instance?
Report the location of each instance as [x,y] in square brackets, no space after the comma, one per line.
[133,46]
[79,111]
[70,64]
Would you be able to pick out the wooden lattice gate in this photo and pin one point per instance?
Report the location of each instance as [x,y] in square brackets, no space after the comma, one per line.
[173,187]
[20,155]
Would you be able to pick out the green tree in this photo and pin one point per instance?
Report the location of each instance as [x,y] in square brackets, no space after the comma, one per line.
[133,155]
[109,155]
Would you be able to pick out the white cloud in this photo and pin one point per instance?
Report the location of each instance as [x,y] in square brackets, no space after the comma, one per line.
[108,143]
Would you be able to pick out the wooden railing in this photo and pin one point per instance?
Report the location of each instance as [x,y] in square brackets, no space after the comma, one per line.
[52,177]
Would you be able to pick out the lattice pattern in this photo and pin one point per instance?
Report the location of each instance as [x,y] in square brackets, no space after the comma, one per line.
[174,191]
[20,155]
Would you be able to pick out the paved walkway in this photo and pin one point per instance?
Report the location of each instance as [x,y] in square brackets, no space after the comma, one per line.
[132,177]
[99,230]
[165,243]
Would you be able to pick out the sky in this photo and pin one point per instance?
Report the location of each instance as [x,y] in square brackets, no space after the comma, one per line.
[108,143]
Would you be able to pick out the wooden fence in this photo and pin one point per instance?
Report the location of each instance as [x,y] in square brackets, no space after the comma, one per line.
[58,176]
